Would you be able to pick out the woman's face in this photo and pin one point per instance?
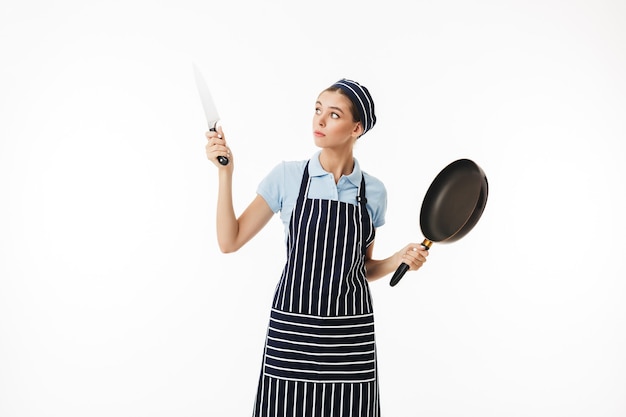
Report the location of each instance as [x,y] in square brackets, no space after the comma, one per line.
[333,122]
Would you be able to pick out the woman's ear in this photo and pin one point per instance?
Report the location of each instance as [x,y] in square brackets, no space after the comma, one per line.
[358,130]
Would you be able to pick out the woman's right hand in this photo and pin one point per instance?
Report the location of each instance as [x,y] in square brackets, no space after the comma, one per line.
[216,146]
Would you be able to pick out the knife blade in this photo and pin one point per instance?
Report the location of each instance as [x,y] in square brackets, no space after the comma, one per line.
[210,111]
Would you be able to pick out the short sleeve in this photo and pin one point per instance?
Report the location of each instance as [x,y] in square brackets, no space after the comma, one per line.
[272,188]
[376,200]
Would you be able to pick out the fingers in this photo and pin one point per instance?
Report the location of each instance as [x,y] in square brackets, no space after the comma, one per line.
[215,134]
[216,145]
[414,255]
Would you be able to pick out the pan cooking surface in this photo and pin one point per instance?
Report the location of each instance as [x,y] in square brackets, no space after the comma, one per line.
[454,202]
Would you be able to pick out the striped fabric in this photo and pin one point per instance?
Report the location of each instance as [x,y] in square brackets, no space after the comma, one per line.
[333,283]
[280,397]
[362,100]
[321,349]
[320,352]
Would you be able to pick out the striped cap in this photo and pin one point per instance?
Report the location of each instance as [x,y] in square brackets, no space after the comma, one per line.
[362,100]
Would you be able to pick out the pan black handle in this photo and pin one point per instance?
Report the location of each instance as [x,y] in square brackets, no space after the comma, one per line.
[397,276]
[221,159]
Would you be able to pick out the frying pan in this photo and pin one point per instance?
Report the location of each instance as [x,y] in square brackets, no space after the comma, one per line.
[451,207]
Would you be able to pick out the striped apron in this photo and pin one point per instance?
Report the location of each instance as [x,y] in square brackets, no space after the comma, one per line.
[320,353]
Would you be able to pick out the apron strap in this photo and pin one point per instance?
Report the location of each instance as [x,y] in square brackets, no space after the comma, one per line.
[304,184]
[361,197]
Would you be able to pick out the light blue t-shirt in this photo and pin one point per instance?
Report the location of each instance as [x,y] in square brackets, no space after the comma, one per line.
[281,186]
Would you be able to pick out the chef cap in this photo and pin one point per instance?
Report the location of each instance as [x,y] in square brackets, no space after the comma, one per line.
[362,100]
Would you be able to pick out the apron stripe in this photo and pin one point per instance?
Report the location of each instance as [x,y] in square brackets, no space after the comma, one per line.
[310,348]
[321,270]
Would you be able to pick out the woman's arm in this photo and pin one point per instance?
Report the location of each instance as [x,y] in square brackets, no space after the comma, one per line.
[233,232]
[413,254]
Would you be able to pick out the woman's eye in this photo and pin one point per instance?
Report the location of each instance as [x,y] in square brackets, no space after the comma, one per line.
[318,111]
[334,115]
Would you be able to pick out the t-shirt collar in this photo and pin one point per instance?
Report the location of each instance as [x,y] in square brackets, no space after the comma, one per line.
[316,170]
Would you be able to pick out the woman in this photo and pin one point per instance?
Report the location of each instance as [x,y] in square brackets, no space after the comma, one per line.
[320,354]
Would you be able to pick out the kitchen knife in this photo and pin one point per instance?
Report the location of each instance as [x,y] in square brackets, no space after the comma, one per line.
[210,111]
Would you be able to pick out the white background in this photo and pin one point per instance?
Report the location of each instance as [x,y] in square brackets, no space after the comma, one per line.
[114,298]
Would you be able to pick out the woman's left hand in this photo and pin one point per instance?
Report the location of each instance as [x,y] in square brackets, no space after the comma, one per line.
[413,254]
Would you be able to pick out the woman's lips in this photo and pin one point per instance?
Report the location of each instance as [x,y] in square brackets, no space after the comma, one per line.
[318,134]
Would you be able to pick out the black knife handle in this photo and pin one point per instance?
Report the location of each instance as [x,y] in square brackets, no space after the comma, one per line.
[221,159]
